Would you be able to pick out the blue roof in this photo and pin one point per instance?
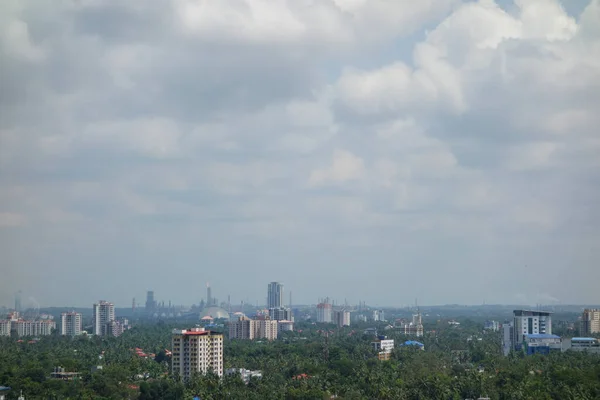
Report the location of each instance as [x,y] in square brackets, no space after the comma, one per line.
[4,388]
[413,343]
[542,336]
[584,339]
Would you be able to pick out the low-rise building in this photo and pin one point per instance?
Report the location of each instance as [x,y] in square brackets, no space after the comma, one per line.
[285,326]
[384,347]
[245,374]
[541,343]
[585,344]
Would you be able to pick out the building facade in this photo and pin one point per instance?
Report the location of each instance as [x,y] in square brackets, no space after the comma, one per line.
[70,324]
[280,314]
[324,313]
[195,351]
[5,327]
[527,322]
[341,318]
[275,295]
[104,313]
[33,328]
[413,328]
[248,329]
[590,322]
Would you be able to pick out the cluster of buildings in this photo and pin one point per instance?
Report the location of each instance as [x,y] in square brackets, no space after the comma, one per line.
[327,313]
[267,324]
[531,331]
[410,328]
[15,325]
[104,322]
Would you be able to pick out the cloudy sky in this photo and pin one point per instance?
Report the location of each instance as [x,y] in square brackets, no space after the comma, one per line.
[376,150]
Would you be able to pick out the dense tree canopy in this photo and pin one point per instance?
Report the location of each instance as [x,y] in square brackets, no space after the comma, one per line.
[458,363]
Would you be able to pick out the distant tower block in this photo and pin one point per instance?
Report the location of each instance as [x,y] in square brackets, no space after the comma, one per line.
[208,295]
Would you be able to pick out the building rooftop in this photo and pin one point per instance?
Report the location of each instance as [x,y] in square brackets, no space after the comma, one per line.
[584,339]
[521,313]
[541,336]
[413,343]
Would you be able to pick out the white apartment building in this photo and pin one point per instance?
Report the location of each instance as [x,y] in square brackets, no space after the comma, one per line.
[249,329]
[324,312]
[285,326]
[590,322]
[527,322]
[196,350]
[104,312]
[33,328]
[384,345]
[5,326]
[70,324]
[341,318]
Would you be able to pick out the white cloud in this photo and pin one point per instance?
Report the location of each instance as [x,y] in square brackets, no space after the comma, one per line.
[276,134]
[344,167]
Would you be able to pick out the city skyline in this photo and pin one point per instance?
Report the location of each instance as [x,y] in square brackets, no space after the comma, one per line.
[441,150]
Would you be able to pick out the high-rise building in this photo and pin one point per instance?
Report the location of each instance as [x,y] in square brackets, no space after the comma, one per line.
[280,314]
[209,299]
[275,295]
[33,328]
[196,350]
[70,324]
[104,313]
[18,301]
[341,318]
[248,329]
[590,322]
[5,327]
[527,322]
[150,302]
[324,312]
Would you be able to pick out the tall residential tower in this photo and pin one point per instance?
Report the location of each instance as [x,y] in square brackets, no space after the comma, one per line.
[104,313]
[275,295]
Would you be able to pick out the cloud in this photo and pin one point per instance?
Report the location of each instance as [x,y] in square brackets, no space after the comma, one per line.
[296,139]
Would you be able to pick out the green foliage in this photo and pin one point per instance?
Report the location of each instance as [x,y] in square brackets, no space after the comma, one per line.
[455,365]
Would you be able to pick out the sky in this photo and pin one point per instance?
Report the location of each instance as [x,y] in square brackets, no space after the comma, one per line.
[375,150]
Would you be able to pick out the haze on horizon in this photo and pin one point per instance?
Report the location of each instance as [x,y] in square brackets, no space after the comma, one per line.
[357,149]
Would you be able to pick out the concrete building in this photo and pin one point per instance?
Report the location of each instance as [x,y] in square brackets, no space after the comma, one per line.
[117,327]
[196,350]
[541,343]
[285,326]
[70,324]
[341,318]
[507,338]
[527,322]
[281,314]
[33,328]
[150,302]
[585,344]
[378,315]
[384,347]
[324,312]
[413,328]
[5,327]
[275,295]
[492,326]
[245,374]
[104,312]
[248,329]
[590,322]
